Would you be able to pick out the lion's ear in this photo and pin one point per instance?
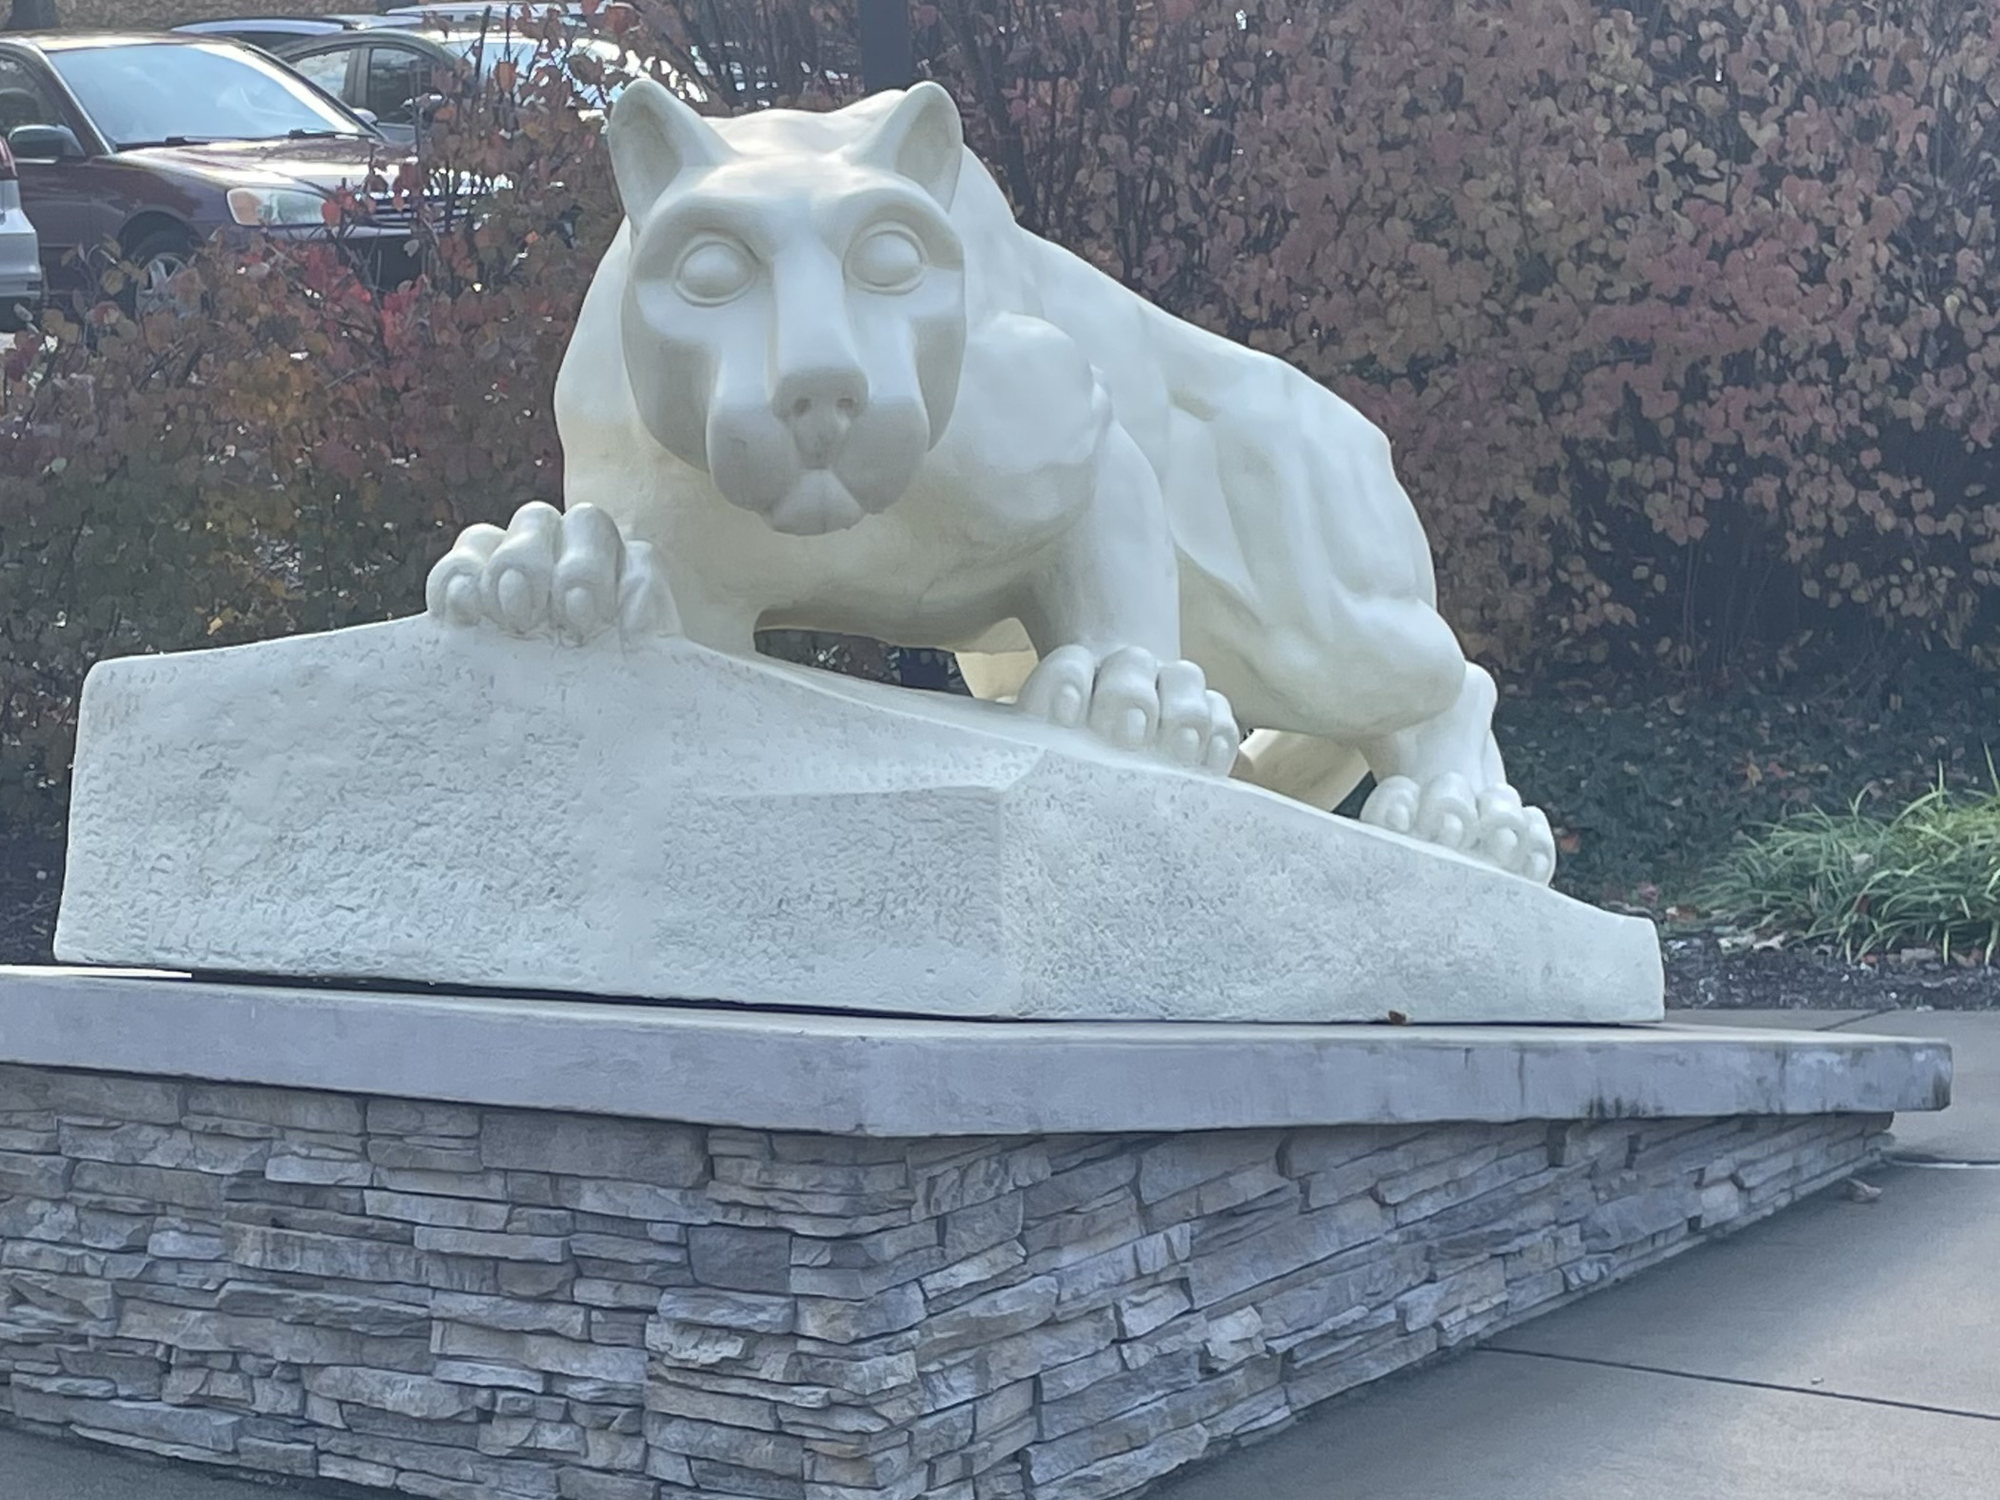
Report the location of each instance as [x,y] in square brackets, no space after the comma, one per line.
[922,138]
[654,138]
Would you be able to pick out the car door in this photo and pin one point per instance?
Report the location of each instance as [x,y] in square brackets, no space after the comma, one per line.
[397,76]
[74,212]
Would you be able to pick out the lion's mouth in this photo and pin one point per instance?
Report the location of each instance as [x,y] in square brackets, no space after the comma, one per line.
[819,502]
[757,466]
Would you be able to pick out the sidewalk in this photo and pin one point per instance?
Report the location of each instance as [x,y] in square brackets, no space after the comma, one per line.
[1842,1351]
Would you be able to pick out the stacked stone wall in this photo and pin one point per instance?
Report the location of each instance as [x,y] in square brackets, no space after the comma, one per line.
[486,1304]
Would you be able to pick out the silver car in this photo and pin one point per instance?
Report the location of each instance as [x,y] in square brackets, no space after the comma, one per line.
[20,252]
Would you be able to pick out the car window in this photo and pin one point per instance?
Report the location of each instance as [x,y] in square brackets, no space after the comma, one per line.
[526,54]
[326,69]
[397,76]
[154,93]
[265,39]
[25,99]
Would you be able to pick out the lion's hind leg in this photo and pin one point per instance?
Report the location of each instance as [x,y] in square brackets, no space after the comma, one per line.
[1442,780]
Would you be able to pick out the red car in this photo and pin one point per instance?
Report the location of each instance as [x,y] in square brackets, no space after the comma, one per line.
[149,145]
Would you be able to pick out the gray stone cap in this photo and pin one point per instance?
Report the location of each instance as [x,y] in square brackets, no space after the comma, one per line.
[857,1075]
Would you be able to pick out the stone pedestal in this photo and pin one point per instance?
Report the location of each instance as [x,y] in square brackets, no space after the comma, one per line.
[406,802]
[484,1248]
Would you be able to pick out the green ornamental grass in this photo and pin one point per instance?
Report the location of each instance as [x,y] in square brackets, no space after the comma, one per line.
[1928,877]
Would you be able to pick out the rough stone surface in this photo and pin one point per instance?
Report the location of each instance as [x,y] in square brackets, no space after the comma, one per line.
[801,1317]
[308,806]
[852,1076]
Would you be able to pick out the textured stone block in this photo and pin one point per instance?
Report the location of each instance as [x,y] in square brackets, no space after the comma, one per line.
[511,1313]
[734,1310]
[836,1321]
[1285,1248]
[631,1200]
[584,1484]
[442,1213]
[160,1146]
[296,1108]
[200,1191]
[185,1427]
[420,1117]
[539,1351]
[1024,1325]
[405,1395]
[367,1315]
[509,1437]
[1624,1221]
[973,1272]
[34,1176]
[987,1319]
[744,1260]
[1129,1471]
[262,1248]
[766,1452]
[594,1146]
[547,1249]
[981,1371]
[93,1096]
[322,1171]
[488,1376]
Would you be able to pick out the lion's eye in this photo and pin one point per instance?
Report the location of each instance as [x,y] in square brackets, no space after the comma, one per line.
[714,271]
[887,260]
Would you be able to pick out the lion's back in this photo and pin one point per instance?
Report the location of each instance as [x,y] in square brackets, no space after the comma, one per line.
[1244,446]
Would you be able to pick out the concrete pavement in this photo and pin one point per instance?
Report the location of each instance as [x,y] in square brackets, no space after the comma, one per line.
[1842,1351]
[1501,1427]
[37,1468]
[1970,1130]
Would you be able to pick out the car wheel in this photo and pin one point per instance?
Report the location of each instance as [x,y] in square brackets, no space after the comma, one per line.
[158,258]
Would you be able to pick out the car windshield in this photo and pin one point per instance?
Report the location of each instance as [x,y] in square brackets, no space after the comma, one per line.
[156,94]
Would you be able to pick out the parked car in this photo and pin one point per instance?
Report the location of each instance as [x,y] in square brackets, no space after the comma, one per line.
[264,31]
[153,144]
[20,252]
[392,68]
[388,76]
[494,15]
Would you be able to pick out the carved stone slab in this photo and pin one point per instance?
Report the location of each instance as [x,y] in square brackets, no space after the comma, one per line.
[411,802]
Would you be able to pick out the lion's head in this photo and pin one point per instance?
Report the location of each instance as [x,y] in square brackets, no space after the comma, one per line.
[794,319]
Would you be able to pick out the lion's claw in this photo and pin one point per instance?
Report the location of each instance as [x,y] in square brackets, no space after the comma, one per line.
[1491,825]
[564,573]
[1131,699]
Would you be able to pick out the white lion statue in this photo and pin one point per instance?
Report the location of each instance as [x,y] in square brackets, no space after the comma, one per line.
[823,380]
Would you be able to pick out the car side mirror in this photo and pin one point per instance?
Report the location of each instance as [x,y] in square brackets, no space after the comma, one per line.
[44,143]
[367,117]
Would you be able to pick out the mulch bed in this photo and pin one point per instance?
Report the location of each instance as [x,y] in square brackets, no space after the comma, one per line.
[1701,975]
[30,887]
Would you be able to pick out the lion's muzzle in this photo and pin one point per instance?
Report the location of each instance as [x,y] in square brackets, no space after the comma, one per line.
[820,407]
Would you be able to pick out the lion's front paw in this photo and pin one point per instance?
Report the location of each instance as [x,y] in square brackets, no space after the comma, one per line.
[1137,702]
[568,574]
[1491,825]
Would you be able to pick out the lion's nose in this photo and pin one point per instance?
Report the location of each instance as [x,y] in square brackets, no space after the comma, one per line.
[819,406]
